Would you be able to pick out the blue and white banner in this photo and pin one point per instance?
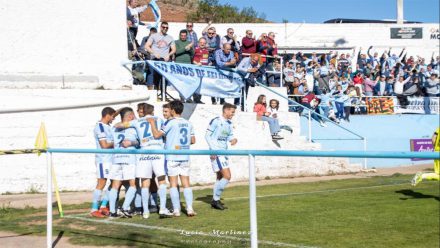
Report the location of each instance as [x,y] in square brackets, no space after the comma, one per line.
[189,79]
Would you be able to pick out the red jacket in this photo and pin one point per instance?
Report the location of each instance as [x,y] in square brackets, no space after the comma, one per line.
[249,45]
[260,109]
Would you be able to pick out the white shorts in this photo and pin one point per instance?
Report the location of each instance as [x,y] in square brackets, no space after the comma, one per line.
[122,172]
[176,168]
[102,170]
[147,164]
[221,162]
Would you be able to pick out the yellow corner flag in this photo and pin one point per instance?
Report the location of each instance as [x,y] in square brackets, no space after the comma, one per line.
[42,143]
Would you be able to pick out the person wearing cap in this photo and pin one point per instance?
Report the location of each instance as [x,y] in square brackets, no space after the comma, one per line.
[382,88]
[192,36]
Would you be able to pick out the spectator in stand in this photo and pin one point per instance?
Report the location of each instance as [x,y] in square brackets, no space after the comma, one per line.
[358,80]
[201,53]
[339,102]
[369,84]
[361,60]
[382,88]
[288,73]
[274,77]
[274,105]
[310,101]
[249,43]
[374,60]
[309,68]
[398,90]
[264,47]
[432,90]
[142,48]
[184,48]
[135,12]
[161,47]
[212,41]
[224,59]
[346,97]
[184,54]
[231,39]
[323,76]
[264,115]
[192,36]
[274,51]
[250,69]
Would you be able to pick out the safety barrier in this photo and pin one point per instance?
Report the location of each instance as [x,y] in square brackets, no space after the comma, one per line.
[252,181]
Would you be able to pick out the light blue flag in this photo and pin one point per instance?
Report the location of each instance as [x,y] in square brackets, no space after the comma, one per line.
[156,12]
[188,79]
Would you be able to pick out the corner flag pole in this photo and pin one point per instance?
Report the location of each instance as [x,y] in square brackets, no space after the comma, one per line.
[42,143]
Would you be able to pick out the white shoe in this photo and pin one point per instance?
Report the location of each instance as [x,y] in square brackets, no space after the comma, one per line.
[322,124]
[417,179]
[146,215]
[190,212]
[165,213]
[176,212]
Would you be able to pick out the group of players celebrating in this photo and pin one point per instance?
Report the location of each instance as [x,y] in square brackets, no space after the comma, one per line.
[138,173]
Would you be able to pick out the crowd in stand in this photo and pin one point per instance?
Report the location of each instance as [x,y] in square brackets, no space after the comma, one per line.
[335,81]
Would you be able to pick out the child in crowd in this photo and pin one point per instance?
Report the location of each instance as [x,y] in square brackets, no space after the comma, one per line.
[264,115]
[274,105]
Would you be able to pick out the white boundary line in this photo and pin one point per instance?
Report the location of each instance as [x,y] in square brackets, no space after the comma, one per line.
[317,191]
[167,229]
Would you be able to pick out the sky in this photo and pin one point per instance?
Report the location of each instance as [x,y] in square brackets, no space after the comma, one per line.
[318,11]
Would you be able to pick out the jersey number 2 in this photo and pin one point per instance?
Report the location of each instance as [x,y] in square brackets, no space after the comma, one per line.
[147,126]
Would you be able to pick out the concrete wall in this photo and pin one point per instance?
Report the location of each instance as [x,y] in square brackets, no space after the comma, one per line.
[73,129]
[323,37]
[383,133]
[58,42]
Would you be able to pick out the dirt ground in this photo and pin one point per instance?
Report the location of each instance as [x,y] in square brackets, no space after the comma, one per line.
[8,239]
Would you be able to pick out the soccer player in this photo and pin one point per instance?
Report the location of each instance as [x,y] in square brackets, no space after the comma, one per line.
[179,135]
[146,163]
[104,140]
[430,176]
[124,165]
[218,135]
[166,111]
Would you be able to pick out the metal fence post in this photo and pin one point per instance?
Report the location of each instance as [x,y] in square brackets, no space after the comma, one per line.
[310,126]
[49,200]
[163,89]
[253,201]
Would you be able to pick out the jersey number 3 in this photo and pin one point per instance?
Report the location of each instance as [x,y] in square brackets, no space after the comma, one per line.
[184,133]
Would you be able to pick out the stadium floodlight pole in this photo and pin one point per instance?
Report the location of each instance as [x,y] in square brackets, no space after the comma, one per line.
[399,4]
[253,202]
[49,200]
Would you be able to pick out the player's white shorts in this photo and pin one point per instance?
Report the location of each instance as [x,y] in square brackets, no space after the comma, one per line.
[176,168]
[122,172]
[221,162]
[147,164]
[102,170]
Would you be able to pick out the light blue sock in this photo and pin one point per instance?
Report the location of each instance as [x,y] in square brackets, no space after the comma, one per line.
[113,195]
[219,187]
[175,198]
[214,189]
[162,195]
[129,195]
[104,200]
[96,196]
[188,194]
[138,199]
[145,196]
[153,199]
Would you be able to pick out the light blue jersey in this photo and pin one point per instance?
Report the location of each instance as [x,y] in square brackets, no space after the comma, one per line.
[103,131]
[178,133]
[120,135]
[219,133]
[145,134]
